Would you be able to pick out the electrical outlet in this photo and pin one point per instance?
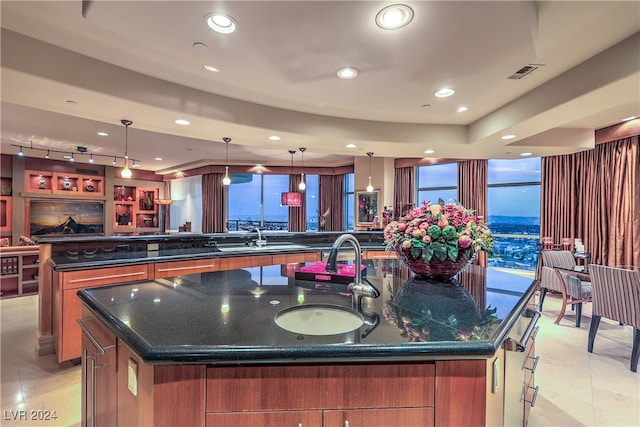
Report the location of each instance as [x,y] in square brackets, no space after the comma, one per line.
[132,377]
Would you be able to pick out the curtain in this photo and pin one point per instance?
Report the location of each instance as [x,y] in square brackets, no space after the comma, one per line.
[404,189]
[331,203]
[297,215]
[214,203]
[595,195]
[472,191]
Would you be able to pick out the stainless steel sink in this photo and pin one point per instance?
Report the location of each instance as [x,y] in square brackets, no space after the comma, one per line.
[319,319]
[274,246]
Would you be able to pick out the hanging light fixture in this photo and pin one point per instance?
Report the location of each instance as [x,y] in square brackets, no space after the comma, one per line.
[302,186]
[226,180]
[369,186]
[292,198]
[126,172]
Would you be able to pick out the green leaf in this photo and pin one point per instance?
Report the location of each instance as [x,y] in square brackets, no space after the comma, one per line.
[439,250]
[427,254]
[415,252]
[452,251]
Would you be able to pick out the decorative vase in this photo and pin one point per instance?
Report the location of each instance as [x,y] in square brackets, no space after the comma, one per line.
[435,268]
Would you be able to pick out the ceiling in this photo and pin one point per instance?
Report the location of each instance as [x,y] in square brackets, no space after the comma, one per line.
[73,68]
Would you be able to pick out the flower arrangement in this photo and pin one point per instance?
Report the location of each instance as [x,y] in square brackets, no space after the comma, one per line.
[443,231]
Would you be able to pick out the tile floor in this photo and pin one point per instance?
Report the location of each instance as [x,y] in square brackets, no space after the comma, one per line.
[576,388]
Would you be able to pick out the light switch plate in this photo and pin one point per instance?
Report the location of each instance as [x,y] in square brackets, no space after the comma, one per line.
[132,377]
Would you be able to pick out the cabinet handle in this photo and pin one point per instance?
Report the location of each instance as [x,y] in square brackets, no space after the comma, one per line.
[94,341]
[535,363]
[93,392]
[532,402]
[85,358]
[187,268]
[112,276]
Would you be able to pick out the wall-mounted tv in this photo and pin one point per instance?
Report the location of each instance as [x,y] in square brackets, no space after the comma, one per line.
[65,218]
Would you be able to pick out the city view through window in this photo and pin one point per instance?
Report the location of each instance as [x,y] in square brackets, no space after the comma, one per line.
[513,205]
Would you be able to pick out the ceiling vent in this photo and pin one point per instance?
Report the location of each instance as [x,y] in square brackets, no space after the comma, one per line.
[527,69]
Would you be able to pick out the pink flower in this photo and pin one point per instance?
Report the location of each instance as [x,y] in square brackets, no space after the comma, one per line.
[464,241]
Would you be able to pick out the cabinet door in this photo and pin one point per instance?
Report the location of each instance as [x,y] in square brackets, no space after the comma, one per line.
[99,377]
[266,419]
[405,417]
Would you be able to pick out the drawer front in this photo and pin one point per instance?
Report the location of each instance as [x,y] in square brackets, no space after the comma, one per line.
[291,258]
[267,388]
[405,417]
[266,419]
[233,263]
[179,268]
[104,276]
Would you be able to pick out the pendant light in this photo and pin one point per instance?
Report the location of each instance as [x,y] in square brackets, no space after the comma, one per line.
[369,186]
[292,198]
[226,180]
[126,172]
[302,186]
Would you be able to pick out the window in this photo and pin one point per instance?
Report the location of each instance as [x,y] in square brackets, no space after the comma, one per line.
[514,212]
[257,202]
[311,196]
[437,182]
[349,201]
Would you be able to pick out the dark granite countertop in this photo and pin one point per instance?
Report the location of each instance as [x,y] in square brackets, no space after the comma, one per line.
[96,252]
[228,317]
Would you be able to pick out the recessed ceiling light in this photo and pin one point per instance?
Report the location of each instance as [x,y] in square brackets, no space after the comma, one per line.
[429,151]
[626,119]
[347,73]
[525,154]
[221,23]
[103,133]
[158,158]
[211,68]
[351,145]
[182,122]
[444,92]
[274,138]
[462,109]
[394,17]
[510,136]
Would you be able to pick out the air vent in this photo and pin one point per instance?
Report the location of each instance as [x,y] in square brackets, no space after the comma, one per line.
[527,69]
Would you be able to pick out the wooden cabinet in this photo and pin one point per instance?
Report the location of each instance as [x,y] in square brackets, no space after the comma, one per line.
[67,308]
[375,394]
[296,257]
[266,419]
[135,207]
[99,373]
[405,417]
[19,270]
[179,268]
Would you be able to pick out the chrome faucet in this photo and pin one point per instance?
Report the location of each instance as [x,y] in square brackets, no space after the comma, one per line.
[357,288]
[261,241]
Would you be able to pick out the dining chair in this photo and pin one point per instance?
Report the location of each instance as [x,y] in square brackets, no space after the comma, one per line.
[547,244]
[616,296]
[567,244]
[556,275]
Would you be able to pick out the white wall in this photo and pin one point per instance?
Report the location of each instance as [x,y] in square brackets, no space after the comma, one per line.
[186,194]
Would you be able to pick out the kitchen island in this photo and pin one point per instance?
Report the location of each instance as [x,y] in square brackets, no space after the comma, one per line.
[204,349]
